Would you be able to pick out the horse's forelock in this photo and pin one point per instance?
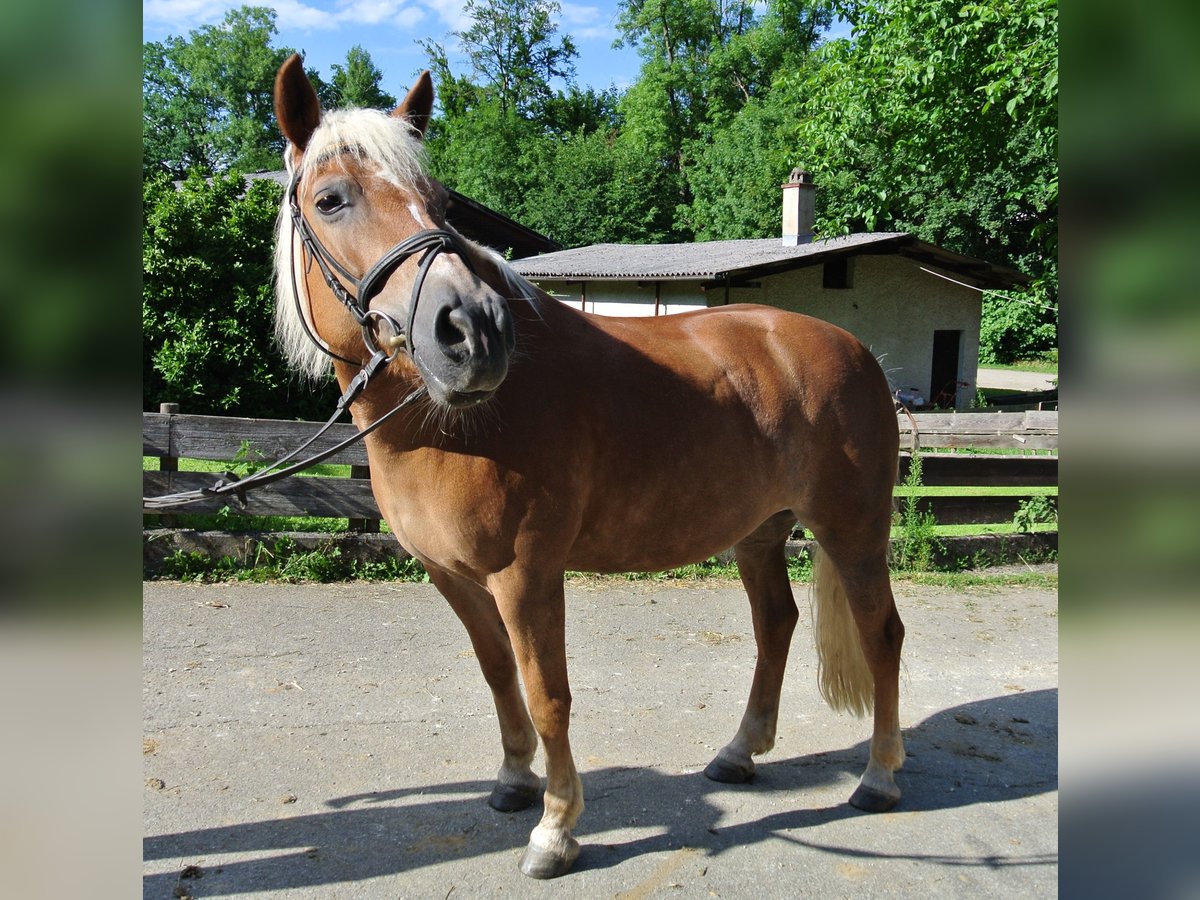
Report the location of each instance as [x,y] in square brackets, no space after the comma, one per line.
[389,144]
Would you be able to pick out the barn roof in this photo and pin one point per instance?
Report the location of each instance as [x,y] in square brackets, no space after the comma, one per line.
[744,260]
[475,221]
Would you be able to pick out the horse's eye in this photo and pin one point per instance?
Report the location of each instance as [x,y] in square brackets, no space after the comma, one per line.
[329,203]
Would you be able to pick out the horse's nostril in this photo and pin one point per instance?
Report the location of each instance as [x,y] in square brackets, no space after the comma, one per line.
[451,331]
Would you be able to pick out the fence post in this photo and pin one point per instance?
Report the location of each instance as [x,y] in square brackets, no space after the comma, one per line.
[168,463]
[364,526]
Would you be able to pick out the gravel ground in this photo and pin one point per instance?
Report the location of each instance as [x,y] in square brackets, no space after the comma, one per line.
[338,741]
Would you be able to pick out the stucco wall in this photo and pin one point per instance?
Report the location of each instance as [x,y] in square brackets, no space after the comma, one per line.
[628,298]
[892,306]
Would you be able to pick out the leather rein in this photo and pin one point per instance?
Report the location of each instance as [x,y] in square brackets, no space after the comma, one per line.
[431,242]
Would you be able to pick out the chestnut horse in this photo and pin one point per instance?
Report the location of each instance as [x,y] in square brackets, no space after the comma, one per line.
[544,440]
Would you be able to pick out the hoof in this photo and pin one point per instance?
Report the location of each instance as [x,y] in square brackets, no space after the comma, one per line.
[539,863]
[508,798]
[872,801]
[726,772]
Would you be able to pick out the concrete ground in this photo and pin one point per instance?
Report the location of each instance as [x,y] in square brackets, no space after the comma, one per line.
[1007,379]
[338,741]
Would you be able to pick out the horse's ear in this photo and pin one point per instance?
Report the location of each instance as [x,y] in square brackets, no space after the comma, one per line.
[296,104]
[418,105]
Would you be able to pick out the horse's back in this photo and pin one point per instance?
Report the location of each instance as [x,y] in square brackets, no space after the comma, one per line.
[778,362]
[698,426]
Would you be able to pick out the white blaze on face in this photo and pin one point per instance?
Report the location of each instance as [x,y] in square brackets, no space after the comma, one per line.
[442,262]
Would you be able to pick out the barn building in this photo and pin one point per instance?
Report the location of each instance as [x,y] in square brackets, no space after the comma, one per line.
[915,305]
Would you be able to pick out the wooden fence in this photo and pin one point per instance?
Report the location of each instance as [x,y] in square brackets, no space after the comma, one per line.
[170,437]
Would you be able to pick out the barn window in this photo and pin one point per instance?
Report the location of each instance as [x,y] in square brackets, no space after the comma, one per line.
[836,275]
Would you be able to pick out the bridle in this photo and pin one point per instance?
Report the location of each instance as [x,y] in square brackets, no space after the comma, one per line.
[431,242]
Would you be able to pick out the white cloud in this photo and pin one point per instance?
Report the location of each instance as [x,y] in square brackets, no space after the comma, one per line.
[408,18]
[367,12]
[452,13]
[586,23]
[573,14]
[178,16]
[294,14]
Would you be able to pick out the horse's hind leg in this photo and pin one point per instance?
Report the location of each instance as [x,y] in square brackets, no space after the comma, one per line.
[763,569]
[861,584]
[516,784]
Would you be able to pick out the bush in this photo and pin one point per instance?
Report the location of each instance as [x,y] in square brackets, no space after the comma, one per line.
[208,302]
[1012,328]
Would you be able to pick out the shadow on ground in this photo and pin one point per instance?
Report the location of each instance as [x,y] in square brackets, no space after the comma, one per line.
[989,751]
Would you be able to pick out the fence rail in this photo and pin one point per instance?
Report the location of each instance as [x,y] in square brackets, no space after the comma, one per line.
[170,437]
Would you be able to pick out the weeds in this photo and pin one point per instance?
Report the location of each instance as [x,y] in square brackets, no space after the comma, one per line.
[917,545]
[1035,511]
[283,560]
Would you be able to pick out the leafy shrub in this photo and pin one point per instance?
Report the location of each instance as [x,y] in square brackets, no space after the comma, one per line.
[208,303]
[1035,511]
[1012,328]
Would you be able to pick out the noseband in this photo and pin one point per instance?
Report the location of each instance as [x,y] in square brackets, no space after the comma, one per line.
[357,299]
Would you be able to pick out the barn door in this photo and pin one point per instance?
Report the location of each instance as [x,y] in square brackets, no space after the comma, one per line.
[944,377]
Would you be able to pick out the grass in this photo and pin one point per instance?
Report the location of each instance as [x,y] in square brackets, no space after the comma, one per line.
[282,561]
[228,519]
[1046,363]
[150,464]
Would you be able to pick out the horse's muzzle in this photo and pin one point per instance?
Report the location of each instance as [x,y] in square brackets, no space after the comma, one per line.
[464,350]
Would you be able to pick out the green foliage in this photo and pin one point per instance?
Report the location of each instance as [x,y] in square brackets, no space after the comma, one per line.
[186,565]
[357,83]
[941,119]
[734,180]
[1014,327]
[511,47]
[1035,511]
[207,301]
[282,560]
[703,64]
[917,545]
[206,100]
[800,568]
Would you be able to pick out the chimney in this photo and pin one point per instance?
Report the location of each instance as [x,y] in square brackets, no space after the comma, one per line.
[798,208]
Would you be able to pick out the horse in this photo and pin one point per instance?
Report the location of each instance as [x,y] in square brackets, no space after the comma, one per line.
[525,438]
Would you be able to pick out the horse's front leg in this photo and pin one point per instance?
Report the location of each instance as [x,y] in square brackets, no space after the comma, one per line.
[516,784]
[534,610]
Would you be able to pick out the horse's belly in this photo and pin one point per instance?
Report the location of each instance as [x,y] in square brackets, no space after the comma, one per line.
[655,540]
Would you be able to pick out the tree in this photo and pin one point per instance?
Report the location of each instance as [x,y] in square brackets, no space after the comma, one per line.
[207,99]
[503,132]
[595,187]
[941,118]
[735,178]
[357,83]
[511,46]
[704,62]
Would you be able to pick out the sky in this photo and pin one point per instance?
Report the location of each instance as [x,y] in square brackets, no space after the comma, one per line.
[324,30]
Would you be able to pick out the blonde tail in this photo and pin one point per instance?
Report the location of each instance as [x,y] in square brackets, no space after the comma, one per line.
[842,673]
